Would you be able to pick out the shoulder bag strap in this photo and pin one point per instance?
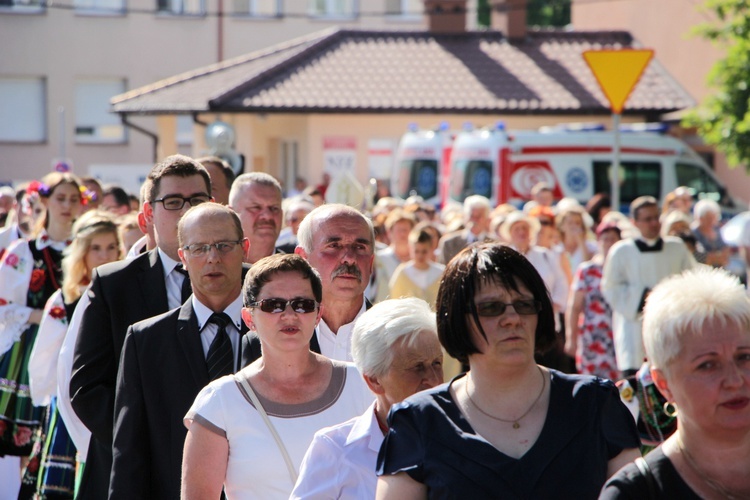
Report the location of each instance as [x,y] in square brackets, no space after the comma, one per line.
[645,471]
[269,424]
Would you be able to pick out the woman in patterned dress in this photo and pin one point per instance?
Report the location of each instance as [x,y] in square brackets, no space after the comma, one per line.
[590,338]
[51,472]
[30,272]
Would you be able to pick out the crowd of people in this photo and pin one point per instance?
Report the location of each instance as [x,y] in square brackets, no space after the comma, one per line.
[218,335]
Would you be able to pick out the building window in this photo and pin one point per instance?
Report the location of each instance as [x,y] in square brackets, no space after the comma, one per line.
[30,6]
[184,130]
[257,8]
[333,8]
[94,122]
[182,7]
[404,8]
[22,105]
[100,6]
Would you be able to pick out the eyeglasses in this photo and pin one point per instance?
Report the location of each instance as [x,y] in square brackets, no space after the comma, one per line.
[496,308]
[546,222]
[277,306]
[200,249]
[177,202]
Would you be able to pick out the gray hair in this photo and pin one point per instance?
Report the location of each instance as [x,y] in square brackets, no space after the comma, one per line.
[248,179]
[475,201]
[328,211]
[705,207]
[682,304]
[385,324]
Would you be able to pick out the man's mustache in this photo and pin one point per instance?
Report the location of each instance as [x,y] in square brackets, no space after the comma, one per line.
[350,269]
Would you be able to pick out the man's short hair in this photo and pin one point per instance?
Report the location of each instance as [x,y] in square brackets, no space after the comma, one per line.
[225,168]
[328,211]
[642,202]
[120,196]
[209,210]
[248,179]
[178,166]
[476,201]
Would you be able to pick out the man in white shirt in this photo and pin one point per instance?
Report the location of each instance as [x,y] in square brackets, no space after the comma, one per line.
[633,267]
[339,242]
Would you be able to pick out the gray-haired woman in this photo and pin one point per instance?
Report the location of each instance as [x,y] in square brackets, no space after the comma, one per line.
[396,348]
[696,331]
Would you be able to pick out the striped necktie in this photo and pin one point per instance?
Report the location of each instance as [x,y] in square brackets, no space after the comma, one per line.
[220,360]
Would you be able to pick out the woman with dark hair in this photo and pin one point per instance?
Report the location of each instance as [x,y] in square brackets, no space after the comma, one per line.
[249,432]
[508,427]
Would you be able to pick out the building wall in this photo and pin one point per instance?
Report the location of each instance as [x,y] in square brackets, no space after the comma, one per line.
[259,137]
[141,47]
[668,29]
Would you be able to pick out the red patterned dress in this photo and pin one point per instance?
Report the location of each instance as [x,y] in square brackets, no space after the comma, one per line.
[29,274]
[596,348]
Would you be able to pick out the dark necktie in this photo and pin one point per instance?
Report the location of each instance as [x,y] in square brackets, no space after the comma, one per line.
[186,288]
[220,360]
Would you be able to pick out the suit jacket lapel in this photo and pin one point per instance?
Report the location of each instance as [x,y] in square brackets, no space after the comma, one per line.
[189,338]
[152,287]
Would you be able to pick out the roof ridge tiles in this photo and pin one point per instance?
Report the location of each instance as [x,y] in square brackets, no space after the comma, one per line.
[226,64]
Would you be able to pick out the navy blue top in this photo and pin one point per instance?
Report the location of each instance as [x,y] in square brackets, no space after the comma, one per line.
[586,426]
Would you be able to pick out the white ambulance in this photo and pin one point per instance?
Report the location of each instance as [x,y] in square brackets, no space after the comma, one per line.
[504,166]
[423,163]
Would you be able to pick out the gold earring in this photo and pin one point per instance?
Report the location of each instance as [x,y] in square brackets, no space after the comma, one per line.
[670,409]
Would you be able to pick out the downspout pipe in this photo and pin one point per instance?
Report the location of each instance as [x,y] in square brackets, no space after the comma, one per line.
[138,128]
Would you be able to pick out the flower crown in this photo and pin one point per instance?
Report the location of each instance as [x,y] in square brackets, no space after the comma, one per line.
[87,195]
[39,188]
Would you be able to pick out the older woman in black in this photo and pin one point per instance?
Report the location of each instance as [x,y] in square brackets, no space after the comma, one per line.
[508,428]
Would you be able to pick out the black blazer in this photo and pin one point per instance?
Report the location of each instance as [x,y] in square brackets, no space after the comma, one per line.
[121,293]
[251,343]
[162,370]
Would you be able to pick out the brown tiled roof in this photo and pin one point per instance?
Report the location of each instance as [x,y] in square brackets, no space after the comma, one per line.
[352,71]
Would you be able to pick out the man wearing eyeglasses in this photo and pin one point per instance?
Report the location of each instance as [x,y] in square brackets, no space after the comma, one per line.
[168,359]
[123,293]
[256,197]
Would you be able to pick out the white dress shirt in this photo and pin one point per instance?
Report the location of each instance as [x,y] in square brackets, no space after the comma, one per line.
[338,345]
[341,460]
[208,331]
[173,279]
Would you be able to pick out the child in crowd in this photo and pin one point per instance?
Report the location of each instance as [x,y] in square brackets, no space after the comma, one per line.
[420,276]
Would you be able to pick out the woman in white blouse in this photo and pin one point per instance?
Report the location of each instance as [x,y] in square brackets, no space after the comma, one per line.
[230,441]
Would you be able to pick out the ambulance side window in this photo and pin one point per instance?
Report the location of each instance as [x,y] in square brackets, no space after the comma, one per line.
[637,178]
[702,184]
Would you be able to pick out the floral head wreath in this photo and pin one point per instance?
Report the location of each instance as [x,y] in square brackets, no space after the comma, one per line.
[39,188]
[87,196]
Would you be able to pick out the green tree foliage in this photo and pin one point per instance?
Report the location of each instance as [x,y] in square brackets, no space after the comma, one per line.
[547,13]
[723,119]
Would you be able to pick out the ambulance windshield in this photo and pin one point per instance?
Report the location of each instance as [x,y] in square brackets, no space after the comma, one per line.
[470,177]
[417,177]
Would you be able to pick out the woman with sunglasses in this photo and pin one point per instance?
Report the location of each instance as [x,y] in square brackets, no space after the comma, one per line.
[508,428]
[267,413]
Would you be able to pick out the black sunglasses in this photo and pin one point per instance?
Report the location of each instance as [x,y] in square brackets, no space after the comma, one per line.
[496,308]
[277,306]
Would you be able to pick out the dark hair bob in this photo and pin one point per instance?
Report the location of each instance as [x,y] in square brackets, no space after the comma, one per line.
[472,268]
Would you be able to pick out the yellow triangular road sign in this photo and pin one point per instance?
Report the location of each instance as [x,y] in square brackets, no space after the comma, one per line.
[617,72]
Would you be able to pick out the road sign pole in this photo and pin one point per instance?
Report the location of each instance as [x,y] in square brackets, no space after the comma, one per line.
[616,162]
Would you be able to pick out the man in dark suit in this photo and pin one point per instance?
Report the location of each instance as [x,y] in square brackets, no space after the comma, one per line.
[123,293]
[477,223]
[168,359]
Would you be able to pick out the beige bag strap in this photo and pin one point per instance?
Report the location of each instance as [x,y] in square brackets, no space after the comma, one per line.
[256,402]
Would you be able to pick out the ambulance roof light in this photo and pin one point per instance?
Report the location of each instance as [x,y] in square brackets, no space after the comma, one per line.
[500,126]
[657,128]
[467,126]
[412,127]
[574,127]
[444,126]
